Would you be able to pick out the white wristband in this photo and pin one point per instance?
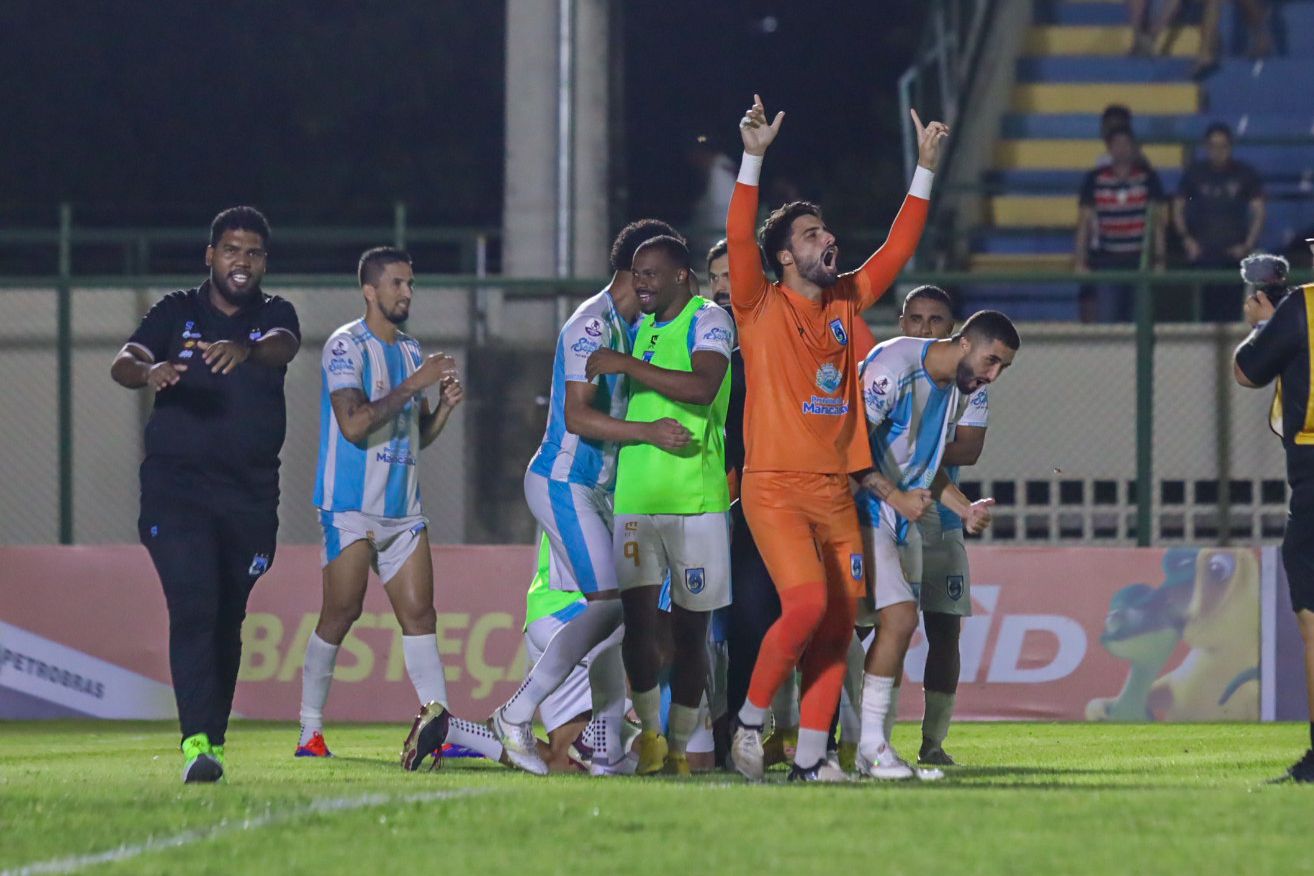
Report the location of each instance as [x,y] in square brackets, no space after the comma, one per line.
[750,169]
[921,183]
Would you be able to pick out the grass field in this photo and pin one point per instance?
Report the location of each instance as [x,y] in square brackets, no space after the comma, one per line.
[1037,798]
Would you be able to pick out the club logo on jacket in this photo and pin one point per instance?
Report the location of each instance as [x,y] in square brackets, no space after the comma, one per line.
[829,379]
[837,329]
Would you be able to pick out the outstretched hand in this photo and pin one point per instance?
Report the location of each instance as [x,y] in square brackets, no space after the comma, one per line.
[930,141]
[754,129]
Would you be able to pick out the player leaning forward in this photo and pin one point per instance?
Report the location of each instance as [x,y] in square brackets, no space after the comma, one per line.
[914,391]
[374,421]
[672,506]
[804,435]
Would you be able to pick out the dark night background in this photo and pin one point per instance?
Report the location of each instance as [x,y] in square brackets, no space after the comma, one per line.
[327,112]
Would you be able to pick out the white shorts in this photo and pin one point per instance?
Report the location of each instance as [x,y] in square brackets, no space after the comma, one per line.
[577,520]
[894,564]
[393,539]
[573,697]
[946,583]
[695,548]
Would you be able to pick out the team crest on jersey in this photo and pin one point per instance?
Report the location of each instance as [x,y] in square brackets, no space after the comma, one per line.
[955,586]
[593,328]
[255,334]
[829,378]
[837,329]
[695,580]
[647,355]
[339,347]
[855,566]
[259,565]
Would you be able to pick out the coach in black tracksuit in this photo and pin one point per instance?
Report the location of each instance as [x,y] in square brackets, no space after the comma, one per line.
[216,357]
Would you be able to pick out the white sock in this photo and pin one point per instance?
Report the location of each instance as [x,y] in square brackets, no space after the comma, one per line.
[581,634]
[811,747]
[876,695]
[475,737]
[888,725]
[425,668]
[648,706]
[316,676]
[939,711]
[684,721]
[607,687]
[751,715]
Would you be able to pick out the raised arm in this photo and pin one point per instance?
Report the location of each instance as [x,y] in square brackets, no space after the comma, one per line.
[748,283]
[885,264]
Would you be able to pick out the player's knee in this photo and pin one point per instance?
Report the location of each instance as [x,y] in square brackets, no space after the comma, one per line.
[418,621]
[899,620]
[337,617]
[942,630]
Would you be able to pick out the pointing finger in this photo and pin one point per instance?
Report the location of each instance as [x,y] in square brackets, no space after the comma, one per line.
[917,122]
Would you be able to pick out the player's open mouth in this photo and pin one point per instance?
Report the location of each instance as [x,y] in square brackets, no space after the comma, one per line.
[829,256]
[645,297]
[239,278]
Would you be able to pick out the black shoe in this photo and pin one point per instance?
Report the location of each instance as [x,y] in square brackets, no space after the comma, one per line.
[822,771]
[1302,770]
[428,733]
[202,768]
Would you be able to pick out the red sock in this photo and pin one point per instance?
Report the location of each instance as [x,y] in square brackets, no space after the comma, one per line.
[801,610]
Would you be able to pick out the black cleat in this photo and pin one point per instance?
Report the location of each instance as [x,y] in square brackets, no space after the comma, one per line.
[1302,770]
[823,771]
[202,768]
[428,733]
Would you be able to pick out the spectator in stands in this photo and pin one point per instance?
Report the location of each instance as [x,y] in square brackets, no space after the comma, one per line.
[1149,39]
[1115,115]
[1219,213]
[1119,204]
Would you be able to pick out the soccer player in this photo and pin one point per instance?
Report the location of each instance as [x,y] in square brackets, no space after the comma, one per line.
[912,389]
[718,273]
[803,434]
[946,592]
[215,357]
[671,506]
[374,420]
[568,487]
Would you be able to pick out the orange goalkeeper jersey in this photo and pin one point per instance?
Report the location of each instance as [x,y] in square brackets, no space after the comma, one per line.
[803,408]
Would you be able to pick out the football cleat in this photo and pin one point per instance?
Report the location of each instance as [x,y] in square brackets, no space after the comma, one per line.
[1301,771]
[217,752]
[677,764]
[779,747]
[652,749]
[746,752]
[199,763]
[428,733]
[885,764]
[626,766]
[824,771]
[314,747]
[933,755]
[519,744]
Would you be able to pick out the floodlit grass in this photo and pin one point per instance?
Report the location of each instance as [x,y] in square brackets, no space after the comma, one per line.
[1036,798]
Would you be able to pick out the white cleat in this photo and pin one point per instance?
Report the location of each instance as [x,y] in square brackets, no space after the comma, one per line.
[519,744]
[928,774]
[885,764]
[746,753]
[623,767]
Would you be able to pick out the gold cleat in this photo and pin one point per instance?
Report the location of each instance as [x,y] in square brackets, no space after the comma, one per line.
[652,749]
[677,764]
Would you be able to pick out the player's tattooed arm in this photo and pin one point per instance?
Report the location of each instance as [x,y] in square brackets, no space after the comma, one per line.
[910,504]
[586,421]
[976,515]
[432,422]
[966,447]
[358,416]
[696,387]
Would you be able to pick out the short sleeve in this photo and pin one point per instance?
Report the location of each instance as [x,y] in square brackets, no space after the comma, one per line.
[977,412]
[1086,197]
[878,389]
[712,330]
[580,338]
[156,327]
[279,314]
[1263,355]
[342,363]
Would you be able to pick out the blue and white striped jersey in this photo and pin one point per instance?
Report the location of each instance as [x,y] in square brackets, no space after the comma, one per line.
[379,475]
[563,456]
[908,419]
[972,411]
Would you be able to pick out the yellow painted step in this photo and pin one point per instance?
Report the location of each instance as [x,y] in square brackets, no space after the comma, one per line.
[1067,39]
[1034,211]
[1073,154]
[1158,98]
[985,262]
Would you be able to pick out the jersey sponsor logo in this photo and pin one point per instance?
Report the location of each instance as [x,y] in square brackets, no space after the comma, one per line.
[979,400]
[855,566]
[188,335]
[584,347]
[339,347]
[837,329]
[259,565]
[718,334]
[695,580]
[829,378]
[186,354]
[827,407]
[341,366]
[647,355]
[391,457]
[954,584]
[593,328]
[875,398]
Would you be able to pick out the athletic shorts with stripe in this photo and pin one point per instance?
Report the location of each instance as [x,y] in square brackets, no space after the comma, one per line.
[946,581]
[806,528]
[894,568]
[393,539]
[577,520]
[695,548]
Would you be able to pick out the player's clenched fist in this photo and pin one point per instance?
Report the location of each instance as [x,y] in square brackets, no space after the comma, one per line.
[911,504]
[436,367]
[452,393]
[977,518]
[163,375]
[668,434]
[755,131]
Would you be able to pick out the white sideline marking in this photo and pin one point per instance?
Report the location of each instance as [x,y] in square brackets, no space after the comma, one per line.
[323,806]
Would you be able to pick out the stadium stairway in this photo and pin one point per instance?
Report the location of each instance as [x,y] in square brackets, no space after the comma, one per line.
[1074,63]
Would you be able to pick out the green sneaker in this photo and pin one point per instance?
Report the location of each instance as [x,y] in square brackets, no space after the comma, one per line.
[217,752]
[199,762]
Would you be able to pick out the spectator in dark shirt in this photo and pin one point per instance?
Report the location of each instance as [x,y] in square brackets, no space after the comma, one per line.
[1117,202]
[1219,213]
